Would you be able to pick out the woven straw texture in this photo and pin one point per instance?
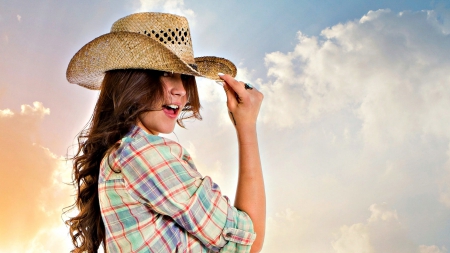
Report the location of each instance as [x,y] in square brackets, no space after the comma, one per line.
[171,30]
[143,41]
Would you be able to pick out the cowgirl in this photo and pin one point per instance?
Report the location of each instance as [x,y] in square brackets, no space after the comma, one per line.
[136,191]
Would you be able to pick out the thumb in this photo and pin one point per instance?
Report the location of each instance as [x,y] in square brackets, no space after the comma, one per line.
[229,92]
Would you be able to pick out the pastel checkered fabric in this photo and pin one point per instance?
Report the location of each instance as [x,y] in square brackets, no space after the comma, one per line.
[153,199]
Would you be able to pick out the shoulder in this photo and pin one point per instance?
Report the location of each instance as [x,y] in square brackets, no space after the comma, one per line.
[138,144]
[142,157]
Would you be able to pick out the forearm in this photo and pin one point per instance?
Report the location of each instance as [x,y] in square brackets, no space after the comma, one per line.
[243,102]
[250,193]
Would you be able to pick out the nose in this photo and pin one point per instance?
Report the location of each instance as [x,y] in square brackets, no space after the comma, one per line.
[176,86]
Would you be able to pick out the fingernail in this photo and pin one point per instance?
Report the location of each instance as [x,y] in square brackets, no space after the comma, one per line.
[220,74]
[219,83]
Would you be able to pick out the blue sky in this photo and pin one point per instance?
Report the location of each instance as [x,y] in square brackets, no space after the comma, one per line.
[353,130]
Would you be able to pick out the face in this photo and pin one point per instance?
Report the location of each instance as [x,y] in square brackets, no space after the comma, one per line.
[164,120]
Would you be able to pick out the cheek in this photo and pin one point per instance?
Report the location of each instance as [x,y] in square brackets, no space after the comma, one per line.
[147,117]
[141,117]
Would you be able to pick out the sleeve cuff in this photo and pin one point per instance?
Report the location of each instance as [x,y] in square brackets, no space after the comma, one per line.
[239,236]
[238,231]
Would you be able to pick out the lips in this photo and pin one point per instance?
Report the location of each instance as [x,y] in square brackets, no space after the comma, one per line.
[171,110]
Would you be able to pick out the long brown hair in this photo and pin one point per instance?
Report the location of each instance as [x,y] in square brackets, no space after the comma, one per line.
[125,94]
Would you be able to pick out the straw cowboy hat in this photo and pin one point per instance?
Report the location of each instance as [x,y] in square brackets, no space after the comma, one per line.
[148,40]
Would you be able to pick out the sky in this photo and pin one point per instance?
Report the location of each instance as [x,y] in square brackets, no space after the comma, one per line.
[353,130]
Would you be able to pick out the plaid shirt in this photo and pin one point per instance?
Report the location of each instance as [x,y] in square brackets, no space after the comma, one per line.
[153,199]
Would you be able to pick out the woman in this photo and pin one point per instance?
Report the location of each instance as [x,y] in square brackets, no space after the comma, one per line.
[136,191]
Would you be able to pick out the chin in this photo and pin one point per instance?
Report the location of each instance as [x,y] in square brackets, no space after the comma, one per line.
[167,130]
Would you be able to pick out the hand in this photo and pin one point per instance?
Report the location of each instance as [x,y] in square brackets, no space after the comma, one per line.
[243,104]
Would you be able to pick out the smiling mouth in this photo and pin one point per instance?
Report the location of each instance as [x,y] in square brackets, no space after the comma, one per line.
[172,109]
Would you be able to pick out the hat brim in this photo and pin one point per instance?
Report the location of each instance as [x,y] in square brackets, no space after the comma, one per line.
[210,66]
[128,50]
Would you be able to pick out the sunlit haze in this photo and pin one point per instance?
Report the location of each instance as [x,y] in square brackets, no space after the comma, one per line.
[354,128]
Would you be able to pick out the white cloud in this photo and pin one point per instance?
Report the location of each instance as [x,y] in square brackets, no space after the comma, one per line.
[441,17]
[170,6]
[37,109]
[381,213]
[385,67]
[381,233]
[6,113]
[354,239]
[285,232]
[33,191]
[214,171]
[444,182]
[288,215]
[361,114]
[431,249]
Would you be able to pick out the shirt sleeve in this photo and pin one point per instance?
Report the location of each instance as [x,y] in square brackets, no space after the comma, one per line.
[163,177]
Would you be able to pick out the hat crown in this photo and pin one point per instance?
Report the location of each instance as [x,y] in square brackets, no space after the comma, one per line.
[170,30]
[156,41]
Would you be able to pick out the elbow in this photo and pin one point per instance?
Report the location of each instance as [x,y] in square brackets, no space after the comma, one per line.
[255,250]
[256,247]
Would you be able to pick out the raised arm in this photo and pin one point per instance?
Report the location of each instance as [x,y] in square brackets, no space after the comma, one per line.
[243,108]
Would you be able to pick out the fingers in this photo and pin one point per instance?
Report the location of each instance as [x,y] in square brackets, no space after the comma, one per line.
[230,94]
[237,86]
[236,89]
[243,102]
